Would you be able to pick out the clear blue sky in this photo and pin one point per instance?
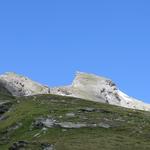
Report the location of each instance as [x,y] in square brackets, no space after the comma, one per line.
[49,40]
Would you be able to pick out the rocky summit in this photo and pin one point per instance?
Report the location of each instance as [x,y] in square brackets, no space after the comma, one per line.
[85,86]
[19,85]
[80,116]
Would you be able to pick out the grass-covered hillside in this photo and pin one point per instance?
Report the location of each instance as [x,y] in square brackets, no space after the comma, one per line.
[50,122]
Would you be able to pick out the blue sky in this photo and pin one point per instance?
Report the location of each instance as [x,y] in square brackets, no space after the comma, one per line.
[49,41]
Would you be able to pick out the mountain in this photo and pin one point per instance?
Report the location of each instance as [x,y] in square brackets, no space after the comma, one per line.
[19,85]
[99,89]
[32,118]
[85,86]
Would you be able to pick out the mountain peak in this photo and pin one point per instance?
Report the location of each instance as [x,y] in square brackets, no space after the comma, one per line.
[89,76]
[85,86]
[19,85]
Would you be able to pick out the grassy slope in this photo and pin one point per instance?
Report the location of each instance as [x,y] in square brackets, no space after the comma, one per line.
[130,131]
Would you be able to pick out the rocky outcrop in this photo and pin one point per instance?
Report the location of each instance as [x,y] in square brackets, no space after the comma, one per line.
[86,86]
[19,85]
[99,89]
[42,123]
[19,145]
[4,91]
[23,145]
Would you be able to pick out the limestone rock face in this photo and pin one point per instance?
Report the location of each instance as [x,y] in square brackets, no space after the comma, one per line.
[86,86]
[100,89]
[19,85]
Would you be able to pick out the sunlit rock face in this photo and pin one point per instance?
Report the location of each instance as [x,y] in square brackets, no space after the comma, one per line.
[19,85]
[100,89]
[86,86]
[97,88]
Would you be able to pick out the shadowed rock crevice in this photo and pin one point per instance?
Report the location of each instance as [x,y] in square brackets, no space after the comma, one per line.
[3,90]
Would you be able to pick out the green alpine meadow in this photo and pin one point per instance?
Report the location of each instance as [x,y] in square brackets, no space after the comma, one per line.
[66,123]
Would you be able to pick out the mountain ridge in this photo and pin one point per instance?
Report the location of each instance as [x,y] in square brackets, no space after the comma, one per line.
[85,86]
[62,121]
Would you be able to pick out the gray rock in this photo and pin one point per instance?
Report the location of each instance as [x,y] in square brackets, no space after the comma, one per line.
[47,146]
[71,125]
[70,114]
[4,107]
[19,145]
[87,109]
[44,122]
[104,125]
